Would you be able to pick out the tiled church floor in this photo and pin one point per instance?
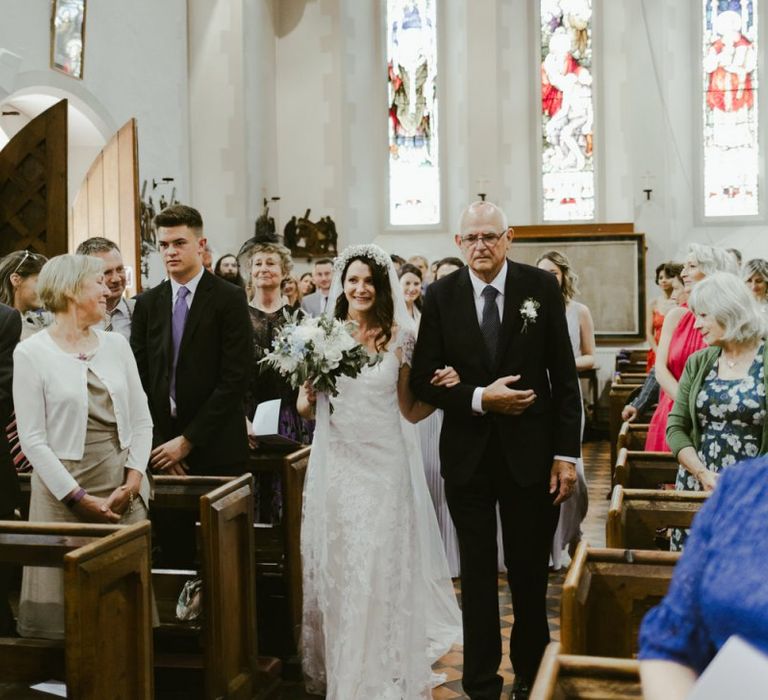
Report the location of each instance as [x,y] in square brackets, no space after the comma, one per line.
[598,474]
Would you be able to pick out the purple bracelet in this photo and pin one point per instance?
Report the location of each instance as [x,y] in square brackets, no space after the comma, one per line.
[76,498]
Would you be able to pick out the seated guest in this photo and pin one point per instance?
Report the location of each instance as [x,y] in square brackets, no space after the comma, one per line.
[680,339]
[666,273]
[18,289]
[196,325]
[719,414]
[316,304]
[270,263]
[410,282]
[119,309]
[306,285]
[83,423]
[291,292]
[446,266]
[755,274]
[719,587]
[228,268]
[10,330]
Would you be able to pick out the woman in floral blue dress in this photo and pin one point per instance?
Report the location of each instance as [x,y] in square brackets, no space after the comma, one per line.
[719,415]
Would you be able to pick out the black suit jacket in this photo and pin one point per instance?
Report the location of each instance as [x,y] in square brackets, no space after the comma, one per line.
[449,334]
[211,375]
[10,331]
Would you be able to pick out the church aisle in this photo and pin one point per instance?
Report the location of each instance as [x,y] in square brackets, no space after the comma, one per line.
[598,473]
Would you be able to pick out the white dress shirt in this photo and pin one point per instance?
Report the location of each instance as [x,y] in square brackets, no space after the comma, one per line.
[498,283]
[121,319]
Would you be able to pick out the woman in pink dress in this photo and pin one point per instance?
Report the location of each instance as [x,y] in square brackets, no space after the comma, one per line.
[679,339]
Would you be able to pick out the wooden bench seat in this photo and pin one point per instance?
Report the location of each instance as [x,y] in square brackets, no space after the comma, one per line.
[637,469]
[635,516]
[618,396]
[107,650]
[575,677]
[605,596]
[632,436]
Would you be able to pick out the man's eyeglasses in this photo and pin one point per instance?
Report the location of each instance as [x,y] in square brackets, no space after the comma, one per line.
[490,238]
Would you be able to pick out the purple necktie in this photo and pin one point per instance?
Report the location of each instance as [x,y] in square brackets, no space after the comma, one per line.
[178,321]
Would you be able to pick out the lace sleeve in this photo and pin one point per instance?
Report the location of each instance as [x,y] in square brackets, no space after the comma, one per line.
[406,342]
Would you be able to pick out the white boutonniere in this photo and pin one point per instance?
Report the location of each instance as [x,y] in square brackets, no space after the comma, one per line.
[530,312]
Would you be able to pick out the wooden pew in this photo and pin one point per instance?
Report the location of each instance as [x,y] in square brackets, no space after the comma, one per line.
[605,596]
[565,676]
[631,361]
[618,396]
[632,436]
[227,629]
[107,652]
[635,515]
[644,470]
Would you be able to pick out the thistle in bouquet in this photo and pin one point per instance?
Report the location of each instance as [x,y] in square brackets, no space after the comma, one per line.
[317,350]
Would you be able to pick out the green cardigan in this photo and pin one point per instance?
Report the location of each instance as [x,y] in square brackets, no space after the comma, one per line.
[682,424]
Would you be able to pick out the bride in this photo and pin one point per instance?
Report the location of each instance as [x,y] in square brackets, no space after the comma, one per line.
[379,606]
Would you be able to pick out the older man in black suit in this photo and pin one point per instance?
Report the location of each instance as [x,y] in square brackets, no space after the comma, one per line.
[10,331]
[510,436]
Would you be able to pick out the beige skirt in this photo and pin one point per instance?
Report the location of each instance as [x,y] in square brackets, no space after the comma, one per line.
[101,471]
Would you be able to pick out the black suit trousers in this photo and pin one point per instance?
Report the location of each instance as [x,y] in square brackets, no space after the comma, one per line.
[528,521]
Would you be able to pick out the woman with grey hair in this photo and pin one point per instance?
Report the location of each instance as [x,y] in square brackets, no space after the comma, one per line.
[83,421]
[719,414]
[680,339]
[755,274]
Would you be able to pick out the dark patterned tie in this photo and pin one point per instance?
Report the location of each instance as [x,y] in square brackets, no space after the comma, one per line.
[178,321]
[490,324]
[110,316]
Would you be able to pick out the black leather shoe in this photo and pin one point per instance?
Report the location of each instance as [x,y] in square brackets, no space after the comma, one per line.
[520,690]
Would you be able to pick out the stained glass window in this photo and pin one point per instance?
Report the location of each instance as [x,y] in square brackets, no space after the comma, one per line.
[68,36]
[729,62]
[414,171]
[567,112]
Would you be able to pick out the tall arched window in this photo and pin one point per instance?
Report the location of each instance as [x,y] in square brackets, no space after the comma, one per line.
[414,166]
[567,110]
[730,125]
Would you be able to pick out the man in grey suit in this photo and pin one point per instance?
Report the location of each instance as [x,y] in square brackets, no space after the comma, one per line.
[119,309]
[316,304]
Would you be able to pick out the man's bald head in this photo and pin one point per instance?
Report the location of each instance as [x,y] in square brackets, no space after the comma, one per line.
[481,215]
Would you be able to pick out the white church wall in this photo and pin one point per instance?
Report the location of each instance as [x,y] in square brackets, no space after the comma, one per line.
[135,66]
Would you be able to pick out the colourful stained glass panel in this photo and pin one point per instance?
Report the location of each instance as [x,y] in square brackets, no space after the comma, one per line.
[414,170]
[567,111]
[729,63]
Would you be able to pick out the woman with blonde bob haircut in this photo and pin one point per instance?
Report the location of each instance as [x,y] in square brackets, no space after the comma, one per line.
[719,415]
[83,422]
[755,275]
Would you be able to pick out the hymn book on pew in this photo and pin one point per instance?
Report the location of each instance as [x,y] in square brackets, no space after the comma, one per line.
[265,427]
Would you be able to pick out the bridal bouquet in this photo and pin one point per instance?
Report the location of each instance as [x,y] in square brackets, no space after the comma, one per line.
[318,350]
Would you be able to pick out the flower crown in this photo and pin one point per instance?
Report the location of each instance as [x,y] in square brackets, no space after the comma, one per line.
[378,255]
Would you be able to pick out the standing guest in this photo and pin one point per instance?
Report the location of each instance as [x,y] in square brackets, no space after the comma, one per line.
[291,292]
[306,285]
[719,414]
[83,422]
[208,258]
[10,330]
[581,330]
[755,274]
[736,255]
[658,307]
[510,436]
[410,282]
[719,588]
[228,268]
[316,304]
[18,289]
[422,263]
[680,339]
[446,266]
[119,309]
[196,325]
[397,261]
[191,337]
[270,263]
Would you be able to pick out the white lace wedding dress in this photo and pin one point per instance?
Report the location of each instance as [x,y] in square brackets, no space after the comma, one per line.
[379,607]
